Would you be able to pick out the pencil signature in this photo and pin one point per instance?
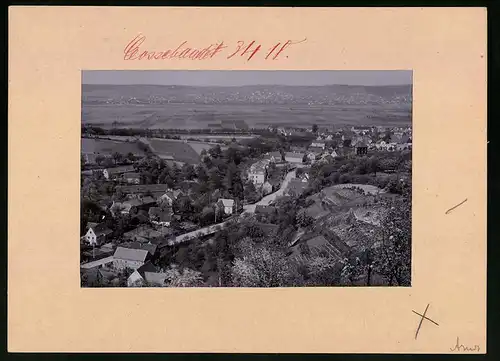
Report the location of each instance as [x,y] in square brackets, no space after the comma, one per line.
[461,347]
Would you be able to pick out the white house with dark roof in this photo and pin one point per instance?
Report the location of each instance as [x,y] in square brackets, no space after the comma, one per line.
[226,205]
[116,172]
[318,144]
[257,172]
[169,197]
[97,233]
[132,177]
[129,258]
[146,275]
[274,157]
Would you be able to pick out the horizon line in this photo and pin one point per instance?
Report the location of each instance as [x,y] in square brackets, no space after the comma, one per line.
[236,86]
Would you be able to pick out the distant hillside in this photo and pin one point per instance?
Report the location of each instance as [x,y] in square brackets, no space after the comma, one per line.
[186,107]
[257,94]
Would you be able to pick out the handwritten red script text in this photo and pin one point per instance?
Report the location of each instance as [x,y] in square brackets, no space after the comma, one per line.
[135,50]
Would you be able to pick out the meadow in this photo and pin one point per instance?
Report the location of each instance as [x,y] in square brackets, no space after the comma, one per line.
[108,147]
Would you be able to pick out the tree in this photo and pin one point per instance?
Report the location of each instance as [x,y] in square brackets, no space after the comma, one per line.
[264,266]
[215,152]
[250,192]
[188,172]
[107,163]
[99,159]
[130,156]
[392,257]
[185,278]
[304,220]
[117,157]
[315,128]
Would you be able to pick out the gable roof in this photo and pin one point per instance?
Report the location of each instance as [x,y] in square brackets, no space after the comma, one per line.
[258,167]
[146,267]
[139,202]
[156,278]
[150,247]
[101,229]
[294,155]
[119,170]
[99,262]
[131,175]
[134,278]
[227,202]
[121,207]
[130,254]
[316,150]
[318,141]
[143,188]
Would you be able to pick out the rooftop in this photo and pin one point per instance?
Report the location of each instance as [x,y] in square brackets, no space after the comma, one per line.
[294,155]
[122,169]
[227,202]
[142,188]
[131,254]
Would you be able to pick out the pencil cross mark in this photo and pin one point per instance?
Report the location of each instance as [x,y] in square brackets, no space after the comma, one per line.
[422,318]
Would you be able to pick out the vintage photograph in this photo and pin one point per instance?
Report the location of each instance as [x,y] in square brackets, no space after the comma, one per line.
[246,178]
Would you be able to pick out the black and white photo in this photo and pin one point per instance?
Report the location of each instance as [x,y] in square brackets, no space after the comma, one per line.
[246,178]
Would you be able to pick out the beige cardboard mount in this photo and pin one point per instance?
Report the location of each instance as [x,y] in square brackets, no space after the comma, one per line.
[47,309]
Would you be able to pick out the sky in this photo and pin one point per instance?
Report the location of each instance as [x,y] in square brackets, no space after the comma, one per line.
[247,77]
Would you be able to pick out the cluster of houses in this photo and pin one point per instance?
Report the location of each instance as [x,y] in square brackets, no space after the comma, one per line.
[329,145]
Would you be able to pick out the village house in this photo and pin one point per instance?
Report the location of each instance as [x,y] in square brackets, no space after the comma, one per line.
[97,233]
[361,148]
[105,250]
[257,173]
[169,197]
[120,208]
[274,157]
[294,158]
[316,150]
[133,178]
[311,157]
[318,144]
[129,258]
[117,172]
[226,205]
[146,275]
[160,216]
[134,191]
[334,153]
[326,158]
[148,246]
